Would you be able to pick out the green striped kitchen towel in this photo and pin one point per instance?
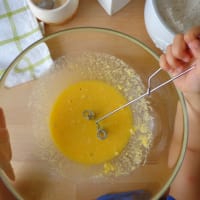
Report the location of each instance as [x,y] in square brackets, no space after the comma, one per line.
[18,29]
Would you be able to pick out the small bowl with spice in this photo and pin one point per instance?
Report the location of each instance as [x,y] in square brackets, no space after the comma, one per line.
[53,11]
[59,149]
[164,19]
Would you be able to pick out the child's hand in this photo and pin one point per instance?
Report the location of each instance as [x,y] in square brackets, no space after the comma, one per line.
[5,149]
[181,54]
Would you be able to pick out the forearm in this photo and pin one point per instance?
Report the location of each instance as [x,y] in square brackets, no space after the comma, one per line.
[187,183]
[193,107]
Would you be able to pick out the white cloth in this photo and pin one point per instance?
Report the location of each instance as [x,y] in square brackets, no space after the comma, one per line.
[19,29]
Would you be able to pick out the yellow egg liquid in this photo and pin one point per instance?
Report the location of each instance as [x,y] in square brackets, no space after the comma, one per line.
[76,137]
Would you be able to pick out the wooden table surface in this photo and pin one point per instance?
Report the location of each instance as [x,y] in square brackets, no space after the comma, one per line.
[129,20]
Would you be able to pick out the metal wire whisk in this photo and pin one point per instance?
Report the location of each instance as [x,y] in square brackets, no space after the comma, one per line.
[101,132]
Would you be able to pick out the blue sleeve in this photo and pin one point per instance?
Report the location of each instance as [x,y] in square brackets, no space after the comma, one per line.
[137,194]
[132,195]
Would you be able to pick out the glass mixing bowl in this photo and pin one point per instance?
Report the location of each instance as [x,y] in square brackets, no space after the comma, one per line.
[42,172]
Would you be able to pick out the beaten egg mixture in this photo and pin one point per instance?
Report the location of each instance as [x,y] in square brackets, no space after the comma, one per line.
[75,136]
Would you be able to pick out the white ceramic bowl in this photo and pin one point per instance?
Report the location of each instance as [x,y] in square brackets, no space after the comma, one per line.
[156,27]
[57,15]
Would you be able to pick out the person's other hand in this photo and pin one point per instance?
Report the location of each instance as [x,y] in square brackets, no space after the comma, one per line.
[5,149]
